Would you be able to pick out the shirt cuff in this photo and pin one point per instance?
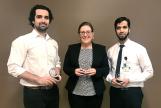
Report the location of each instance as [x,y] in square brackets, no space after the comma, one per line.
[17,72]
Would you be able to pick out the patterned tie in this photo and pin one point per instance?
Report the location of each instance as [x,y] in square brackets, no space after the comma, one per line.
[117,74]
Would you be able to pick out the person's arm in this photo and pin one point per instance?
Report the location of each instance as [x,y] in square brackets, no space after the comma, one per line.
[68,67]
[17,57]
[58,63]
[43,81]
[103,69]
[15,64]
[146,68]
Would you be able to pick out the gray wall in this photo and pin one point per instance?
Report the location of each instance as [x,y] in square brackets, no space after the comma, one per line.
[146,24]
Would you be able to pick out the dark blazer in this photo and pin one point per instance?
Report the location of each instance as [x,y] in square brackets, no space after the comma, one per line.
[100,63]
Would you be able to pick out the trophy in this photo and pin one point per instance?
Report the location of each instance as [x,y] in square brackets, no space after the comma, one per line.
[54,75]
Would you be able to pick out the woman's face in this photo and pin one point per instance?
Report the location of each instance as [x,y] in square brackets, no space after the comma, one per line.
[86,34]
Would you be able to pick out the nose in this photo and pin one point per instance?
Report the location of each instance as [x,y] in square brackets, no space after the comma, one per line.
[85,34]
[43,19]
[121,30]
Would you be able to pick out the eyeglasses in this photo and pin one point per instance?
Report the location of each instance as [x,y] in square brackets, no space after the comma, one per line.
[87,33]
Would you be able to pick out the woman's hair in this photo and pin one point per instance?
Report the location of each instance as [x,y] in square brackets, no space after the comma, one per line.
[85,23]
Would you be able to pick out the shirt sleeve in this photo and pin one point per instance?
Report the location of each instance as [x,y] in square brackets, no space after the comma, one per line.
[146,68]
[17,57]
[58,63]
[109,76]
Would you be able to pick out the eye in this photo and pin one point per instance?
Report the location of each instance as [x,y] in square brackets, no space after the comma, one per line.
[39,16]
[118,27]
[88,32]
[46,17]
[125,27]
[85,32]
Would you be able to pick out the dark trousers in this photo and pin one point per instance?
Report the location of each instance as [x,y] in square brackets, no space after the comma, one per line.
[126,98]
[77,101]
[41,98]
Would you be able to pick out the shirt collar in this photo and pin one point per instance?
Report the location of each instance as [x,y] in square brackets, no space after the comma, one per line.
[36,34]
[126,42]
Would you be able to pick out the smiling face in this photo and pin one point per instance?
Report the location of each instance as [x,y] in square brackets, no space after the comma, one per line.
[86,35]
[41,21]
[122,30]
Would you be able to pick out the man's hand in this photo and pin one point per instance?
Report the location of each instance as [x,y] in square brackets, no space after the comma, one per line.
[57,70]
[46,81]
[116,83]
[120,83]
[57,79]
[124,82]
[35,79]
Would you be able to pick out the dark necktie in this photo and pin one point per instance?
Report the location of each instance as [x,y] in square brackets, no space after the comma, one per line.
[117,74]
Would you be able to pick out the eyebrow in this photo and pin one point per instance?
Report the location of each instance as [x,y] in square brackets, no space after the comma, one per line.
[121,27]
[40,16]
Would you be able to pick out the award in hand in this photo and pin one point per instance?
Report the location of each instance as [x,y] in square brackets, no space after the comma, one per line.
[54,75]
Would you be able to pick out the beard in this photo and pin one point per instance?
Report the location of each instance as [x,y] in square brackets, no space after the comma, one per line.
[41,28]
[122,38]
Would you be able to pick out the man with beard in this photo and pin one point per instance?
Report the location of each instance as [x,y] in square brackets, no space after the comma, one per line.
[34,59]
[130,68]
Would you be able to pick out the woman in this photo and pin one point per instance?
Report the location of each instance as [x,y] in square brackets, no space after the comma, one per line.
[86,64]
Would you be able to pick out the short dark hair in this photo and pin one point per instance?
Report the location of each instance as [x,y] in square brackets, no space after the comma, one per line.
[31,17]
[85,23]
[120,19]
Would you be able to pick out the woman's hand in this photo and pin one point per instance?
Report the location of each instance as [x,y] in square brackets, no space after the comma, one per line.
[79,72]
[90,72]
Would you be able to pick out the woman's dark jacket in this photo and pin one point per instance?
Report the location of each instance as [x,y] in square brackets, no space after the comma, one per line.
[100,63]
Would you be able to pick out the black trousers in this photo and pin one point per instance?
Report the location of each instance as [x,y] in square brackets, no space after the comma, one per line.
[126,98]
[77,101]
[41,98]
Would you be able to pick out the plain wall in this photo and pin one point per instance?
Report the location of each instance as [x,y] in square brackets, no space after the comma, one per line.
[145,29]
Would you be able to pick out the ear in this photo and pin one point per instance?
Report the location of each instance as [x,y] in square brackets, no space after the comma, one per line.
[129,30]
[33,22]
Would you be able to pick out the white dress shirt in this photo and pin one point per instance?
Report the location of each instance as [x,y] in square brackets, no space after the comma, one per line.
[135,64]
[33,53]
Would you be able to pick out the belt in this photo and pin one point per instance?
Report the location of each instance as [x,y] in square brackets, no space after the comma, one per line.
[127,88]
[40,87]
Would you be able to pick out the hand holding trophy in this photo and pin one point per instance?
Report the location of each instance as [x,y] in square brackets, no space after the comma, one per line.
[55,74]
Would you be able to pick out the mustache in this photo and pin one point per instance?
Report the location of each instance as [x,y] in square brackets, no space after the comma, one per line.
[122,34]
[43,23]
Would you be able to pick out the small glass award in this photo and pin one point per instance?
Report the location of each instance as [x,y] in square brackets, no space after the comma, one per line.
[54,75]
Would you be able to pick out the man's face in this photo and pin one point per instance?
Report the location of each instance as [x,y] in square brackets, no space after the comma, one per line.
[122,30]
[41,22]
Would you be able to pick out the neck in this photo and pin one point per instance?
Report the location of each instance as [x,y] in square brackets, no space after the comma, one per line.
[41,33]
[123,41]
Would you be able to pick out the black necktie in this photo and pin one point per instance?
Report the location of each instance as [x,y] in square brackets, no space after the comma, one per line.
[117,74]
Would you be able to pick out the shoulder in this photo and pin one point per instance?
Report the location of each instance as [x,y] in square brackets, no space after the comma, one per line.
[21,39]
[98,48]
[53,42]
[76,45]
[137,46]
[113,47]
[98,45]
